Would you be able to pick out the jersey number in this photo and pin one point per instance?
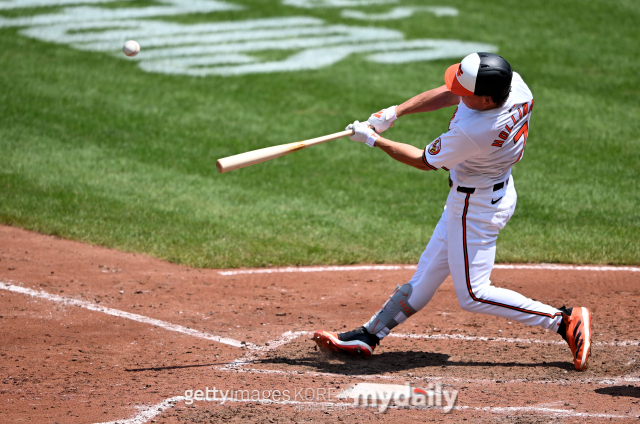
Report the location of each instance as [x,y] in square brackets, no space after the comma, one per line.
[524,131]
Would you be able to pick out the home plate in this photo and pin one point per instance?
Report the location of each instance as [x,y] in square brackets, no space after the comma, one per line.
[377,391]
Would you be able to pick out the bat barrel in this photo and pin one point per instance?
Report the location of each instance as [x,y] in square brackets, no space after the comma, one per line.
[256,156]
[262,155]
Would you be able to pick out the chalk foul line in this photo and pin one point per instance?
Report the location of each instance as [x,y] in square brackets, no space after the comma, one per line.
[127,315]
[603,268]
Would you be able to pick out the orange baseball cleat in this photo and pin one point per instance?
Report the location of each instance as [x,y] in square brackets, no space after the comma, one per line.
[357,342]
[577,322]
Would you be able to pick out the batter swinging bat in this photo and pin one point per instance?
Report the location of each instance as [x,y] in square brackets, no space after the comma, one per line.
[262,155]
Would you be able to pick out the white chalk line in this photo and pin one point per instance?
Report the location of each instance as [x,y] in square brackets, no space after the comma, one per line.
[413,267]
[148,413]
[250,356]
[569,267]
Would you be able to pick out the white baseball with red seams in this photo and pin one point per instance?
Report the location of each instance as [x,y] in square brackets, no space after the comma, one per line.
[131,48]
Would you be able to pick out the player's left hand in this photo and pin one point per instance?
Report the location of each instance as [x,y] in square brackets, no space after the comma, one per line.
[363,133]
[383,120]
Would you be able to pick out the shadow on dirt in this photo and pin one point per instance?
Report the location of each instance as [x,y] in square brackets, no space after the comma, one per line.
[628,391]
[391,362]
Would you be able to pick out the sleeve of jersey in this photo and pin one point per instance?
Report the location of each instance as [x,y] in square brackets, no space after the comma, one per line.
[448,150]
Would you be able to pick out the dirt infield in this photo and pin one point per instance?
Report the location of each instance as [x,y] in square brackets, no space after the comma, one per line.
[91,335]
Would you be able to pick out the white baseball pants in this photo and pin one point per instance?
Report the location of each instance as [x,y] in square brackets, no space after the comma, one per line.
[464,245]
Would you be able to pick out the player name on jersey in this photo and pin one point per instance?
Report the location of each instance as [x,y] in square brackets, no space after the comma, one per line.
[523,111]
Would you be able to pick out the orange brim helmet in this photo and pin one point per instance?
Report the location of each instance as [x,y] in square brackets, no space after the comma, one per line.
[481,74]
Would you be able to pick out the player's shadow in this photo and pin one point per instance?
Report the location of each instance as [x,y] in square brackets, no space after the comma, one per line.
[617,391]
[391,362]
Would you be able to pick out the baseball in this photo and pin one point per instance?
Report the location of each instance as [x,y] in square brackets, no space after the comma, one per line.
[131,48]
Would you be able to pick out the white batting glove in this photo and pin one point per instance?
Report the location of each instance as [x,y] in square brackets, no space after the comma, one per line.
[384,119]
[363,133]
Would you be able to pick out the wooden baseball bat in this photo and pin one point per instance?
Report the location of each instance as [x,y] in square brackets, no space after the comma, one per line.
[262,155]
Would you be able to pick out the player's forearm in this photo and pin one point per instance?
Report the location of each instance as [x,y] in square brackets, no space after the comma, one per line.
[405,153]
[428,101]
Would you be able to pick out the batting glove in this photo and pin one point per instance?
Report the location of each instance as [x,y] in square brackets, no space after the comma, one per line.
[363,133]
[384,119]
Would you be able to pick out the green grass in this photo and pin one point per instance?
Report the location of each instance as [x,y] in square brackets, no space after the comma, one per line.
[96,150]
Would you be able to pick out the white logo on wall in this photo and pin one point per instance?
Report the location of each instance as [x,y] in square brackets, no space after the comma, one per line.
[236,47]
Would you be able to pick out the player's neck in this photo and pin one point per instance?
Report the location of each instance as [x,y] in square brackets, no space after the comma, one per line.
[479,103]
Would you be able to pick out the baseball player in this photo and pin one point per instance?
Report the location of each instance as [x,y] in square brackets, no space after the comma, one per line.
[486,137]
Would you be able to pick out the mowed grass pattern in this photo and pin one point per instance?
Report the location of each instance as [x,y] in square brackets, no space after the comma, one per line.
[96,150]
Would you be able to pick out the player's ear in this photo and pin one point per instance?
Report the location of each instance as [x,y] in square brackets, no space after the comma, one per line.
[488,102]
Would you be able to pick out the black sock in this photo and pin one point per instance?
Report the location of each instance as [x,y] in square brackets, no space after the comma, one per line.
[562,328]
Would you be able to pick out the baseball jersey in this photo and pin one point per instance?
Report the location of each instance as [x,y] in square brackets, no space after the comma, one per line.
[481,146]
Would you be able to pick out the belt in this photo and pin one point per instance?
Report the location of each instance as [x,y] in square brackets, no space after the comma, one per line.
[471,190]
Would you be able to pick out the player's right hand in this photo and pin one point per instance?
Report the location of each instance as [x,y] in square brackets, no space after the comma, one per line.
[382,120]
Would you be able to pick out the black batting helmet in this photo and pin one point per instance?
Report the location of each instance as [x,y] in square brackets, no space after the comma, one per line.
[482,74]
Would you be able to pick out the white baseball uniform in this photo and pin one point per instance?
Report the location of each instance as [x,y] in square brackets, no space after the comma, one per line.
[479,150]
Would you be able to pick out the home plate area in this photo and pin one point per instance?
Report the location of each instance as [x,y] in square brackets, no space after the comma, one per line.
[92,335]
